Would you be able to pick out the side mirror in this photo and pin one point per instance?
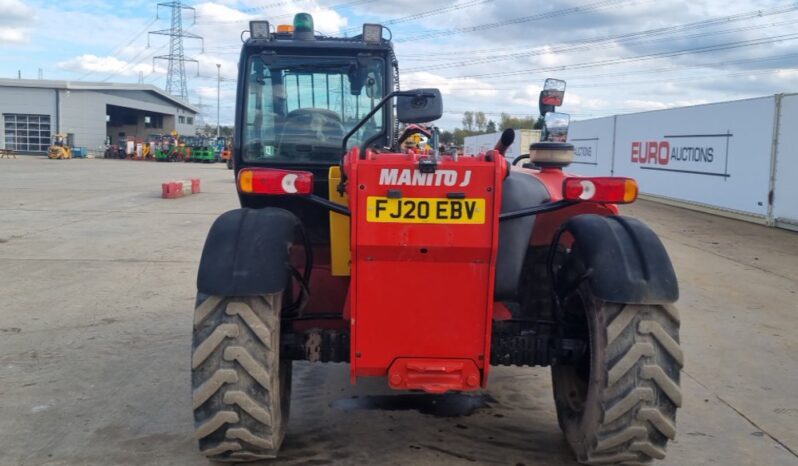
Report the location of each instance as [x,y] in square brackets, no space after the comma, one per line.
[373,87]
[419,106]
[551,96]
[556,126]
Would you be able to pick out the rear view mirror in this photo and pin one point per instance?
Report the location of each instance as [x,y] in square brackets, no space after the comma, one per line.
[551,96]
[419,106]
[556,125]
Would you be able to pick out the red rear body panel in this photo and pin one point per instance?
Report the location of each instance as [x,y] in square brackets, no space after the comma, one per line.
[421,293]
[547,224]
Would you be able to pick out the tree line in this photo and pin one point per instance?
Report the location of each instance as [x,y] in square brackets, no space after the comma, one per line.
[210,131]
[474,123]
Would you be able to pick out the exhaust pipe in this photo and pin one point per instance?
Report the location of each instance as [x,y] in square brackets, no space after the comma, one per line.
[505,141]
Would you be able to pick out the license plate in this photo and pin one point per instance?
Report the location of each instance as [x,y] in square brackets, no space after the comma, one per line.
[425,210]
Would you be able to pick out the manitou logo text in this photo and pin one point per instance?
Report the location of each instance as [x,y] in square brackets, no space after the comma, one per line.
[409,177]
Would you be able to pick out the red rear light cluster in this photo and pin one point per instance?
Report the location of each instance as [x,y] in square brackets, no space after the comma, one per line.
[274,182]
[600,189]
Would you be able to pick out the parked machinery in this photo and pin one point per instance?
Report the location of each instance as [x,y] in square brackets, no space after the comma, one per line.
[225,147]
[60,147]
[185,148]
[164,148]
[422,268]
[150,147]
[202,149]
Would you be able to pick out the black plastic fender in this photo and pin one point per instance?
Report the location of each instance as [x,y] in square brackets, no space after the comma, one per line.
[519,191]
[626,260]
[246,252]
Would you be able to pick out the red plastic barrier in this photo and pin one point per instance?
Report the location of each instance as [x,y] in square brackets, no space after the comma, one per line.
[180,188]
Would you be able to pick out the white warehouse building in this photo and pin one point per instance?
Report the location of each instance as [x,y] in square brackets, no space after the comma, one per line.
[90,114]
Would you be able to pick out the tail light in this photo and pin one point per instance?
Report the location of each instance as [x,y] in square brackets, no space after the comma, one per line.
[275,182]
[600,189]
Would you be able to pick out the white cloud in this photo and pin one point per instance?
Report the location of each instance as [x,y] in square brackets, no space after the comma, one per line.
[16,18]
[92,63]
[222,21]
[463,88]
[10,35]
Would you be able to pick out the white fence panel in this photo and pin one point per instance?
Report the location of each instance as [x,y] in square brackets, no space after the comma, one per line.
[785,194]
[717,155]
[473,145]
[593,142]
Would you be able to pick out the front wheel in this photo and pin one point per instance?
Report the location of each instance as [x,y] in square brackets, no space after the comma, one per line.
[618,403]
[241,387]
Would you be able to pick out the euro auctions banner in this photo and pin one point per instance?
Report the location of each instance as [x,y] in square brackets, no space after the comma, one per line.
[592,141]
[699,154]
[716,154]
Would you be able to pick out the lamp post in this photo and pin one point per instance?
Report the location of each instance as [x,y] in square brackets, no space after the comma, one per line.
[218,97]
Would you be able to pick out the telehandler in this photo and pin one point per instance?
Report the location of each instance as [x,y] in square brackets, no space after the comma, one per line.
[421,268]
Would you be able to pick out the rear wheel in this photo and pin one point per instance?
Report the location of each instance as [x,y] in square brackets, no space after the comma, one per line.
[241,387]
[618,403]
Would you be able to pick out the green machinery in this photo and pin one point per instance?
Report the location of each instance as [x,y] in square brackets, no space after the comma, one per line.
[202,149]
[185,148]
[173,148]
[165,149]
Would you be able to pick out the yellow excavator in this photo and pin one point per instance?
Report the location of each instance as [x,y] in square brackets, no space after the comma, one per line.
[59,149]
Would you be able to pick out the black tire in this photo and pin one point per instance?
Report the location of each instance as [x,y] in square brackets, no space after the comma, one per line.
[618,404]
[241,387]
[229,164]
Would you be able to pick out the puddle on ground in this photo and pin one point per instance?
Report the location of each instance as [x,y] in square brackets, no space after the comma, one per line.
[447,405]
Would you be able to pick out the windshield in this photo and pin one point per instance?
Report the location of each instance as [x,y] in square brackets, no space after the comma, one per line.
[298,109]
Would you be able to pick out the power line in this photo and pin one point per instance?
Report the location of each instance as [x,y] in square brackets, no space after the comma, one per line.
[425,14]
[638,58]
[590,43]
[627,83]
[468,85]
[134,61]
[264,7]
[119,48]
[635,72]
[601,4]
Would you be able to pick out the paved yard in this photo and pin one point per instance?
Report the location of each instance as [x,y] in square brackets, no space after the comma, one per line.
[96,294]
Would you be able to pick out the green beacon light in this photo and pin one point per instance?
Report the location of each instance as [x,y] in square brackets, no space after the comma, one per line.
[303,27]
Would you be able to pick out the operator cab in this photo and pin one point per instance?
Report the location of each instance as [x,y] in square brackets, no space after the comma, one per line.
[300,93]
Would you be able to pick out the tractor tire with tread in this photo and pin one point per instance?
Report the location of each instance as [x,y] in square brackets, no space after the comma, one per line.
[619,406]
[241,387]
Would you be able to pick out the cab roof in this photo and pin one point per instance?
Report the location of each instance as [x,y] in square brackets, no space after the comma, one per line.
[287,41]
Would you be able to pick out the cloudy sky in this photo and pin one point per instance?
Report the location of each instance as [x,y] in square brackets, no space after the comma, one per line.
[618,56]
